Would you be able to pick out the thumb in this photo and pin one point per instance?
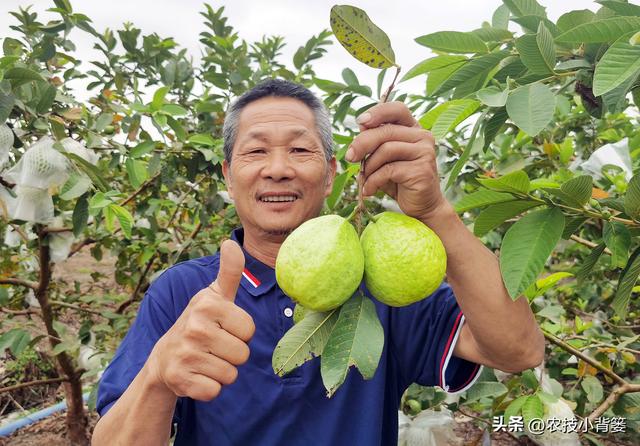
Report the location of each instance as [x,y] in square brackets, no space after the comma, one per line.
[230,272]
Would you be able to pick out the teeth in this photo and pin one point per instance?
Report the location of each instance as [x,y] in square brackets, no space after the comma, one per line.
[279,198]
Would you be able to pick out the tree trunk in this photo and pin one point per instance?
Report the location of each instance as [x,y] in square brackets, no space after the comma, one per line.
[77,420]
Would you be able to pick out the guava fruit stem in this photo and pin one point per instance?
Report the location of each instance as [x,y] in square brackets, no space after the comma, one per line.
[361,208]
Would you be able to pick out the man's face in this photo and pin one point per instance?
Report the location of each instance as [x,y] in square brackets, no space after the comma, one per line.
[278,175]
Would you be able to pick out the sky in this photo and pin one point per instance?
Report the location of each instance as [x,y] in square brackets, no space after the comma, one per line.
[402,20]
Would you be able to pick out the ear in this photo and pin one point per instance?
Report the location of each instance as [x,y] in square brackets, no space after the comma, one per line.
[226,172]
[330,176]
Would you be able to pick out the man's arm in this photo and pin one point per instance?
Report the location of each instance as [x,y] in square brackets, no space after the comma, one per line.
[401,161]
[142,415]
[498,332]
[194,358]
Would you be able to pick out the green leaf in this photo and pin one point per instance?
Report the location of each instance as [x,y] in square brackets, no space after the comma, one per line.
[485,389]
[622,8]
[158,98]
[76,185]
[136,171]
[6,105]
[619,63]
[436,77]
[469,148]
[494,215]
[604,30]
[531,107]
[490,34]
[526,247]
[592,388]
[626,282]
[521,8]
[579,189]
[356,339]
[80,216]
[338,186]
[453,42]
[548,282]
[174,110]
[571,226]
[515,407]
[202,139]
[500,17]
[46,100]
[618,239]
[589,262]
[452,116]
[572,19]
[124,218]
[103,121]
[430,119]
[92,171]
[142,149]
[532,408]
[493,96]
[537,51]
[431,64]
[632,197]
[19,76]
[470,69]
[16,340]
[361,37]
[493,125]
[514,182]
[481,198]
[62,347]
[304,341]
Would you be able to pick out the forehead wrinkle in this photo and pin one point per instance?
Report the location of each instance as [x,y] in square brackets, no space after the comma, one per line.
[290,134]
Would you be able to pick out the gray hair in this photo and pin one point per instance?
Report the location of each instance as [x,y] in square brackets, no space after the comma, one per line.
[278,88]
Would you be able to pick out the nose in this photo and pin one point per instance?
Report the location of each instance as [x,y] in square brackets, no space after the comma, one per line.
[278,166]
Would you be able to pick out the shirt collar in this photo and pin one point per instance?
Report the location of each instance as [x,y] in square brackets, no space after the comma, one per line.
[257,278]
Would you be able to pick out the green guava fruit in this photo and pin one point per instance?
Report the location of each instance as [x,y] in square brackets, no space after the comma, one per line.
[404,260]
[320,264]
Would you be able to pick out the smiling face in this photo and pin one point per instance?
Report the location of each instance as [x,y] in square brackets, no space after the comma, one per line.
[278,175]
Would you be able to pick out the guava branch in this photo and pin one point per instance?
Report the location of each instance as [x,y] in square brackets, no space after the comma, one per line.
[578,354]
[139,190]
[588,244]
[613,397]
[38,382]
[19,282]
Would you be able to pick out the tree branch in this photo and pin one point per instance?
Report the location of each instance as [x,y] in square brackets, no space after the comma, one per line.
[32,383]
[588,243]
[73,306]
[577,353]
[612,398]
[19,282]
[141,189]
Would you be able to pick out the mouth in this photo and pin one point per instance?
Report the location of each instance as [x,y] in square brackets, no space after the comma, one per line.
[278,198]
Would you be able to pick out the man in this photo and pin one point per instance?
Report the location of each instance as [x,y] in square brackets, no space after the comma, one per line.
[199,351]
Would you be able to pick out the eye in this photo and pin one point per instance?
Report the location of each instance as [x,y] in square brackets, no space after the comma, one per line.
[257,150]
[299,150]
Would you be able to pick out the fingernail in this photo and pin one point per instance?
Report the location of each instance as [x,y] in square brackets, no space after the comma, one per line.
[363,118]
[350,154]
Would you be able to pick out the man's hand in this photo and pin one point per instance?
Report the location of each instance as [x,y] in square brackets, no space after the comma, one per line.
[200,352]
[402,159]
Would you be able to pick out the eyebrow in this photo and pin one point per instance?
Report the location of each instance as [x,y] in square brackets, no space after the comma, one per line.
[262,136]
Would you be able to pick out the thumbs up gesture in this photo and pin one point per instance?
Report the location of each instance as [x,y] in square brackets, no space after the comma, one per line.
[200,352]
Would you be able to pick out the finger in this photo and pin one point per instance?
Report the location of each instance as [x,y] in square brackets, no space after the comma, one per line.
[215,368]
[392,151]
[201,388]
[230,272]
[228,347]
[369,140]
[398,172]
[387,113]
[237,322]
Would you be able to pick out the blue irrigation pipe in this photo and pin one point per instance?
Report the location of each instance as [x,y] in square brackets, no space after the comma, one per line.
[10,428]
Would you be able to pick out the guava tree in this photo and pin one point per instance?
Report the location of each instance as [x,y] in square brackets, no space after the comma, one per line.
[121,155]
[537,128]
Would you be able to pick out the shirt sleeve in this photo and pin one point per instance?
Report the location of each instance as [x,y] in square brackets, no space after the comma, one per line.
[424,336]
[154,318]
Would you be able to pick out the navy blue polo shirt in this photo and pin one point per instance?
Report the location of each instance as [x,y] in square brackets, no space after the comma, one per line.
[261,408]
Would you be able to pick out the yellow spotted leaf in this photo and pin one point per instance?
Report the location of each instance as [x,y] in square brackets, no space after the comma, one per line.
[361,37]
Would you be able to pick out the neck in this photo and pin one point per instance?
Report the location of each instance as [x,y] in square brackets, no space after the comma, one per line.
[264,246]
